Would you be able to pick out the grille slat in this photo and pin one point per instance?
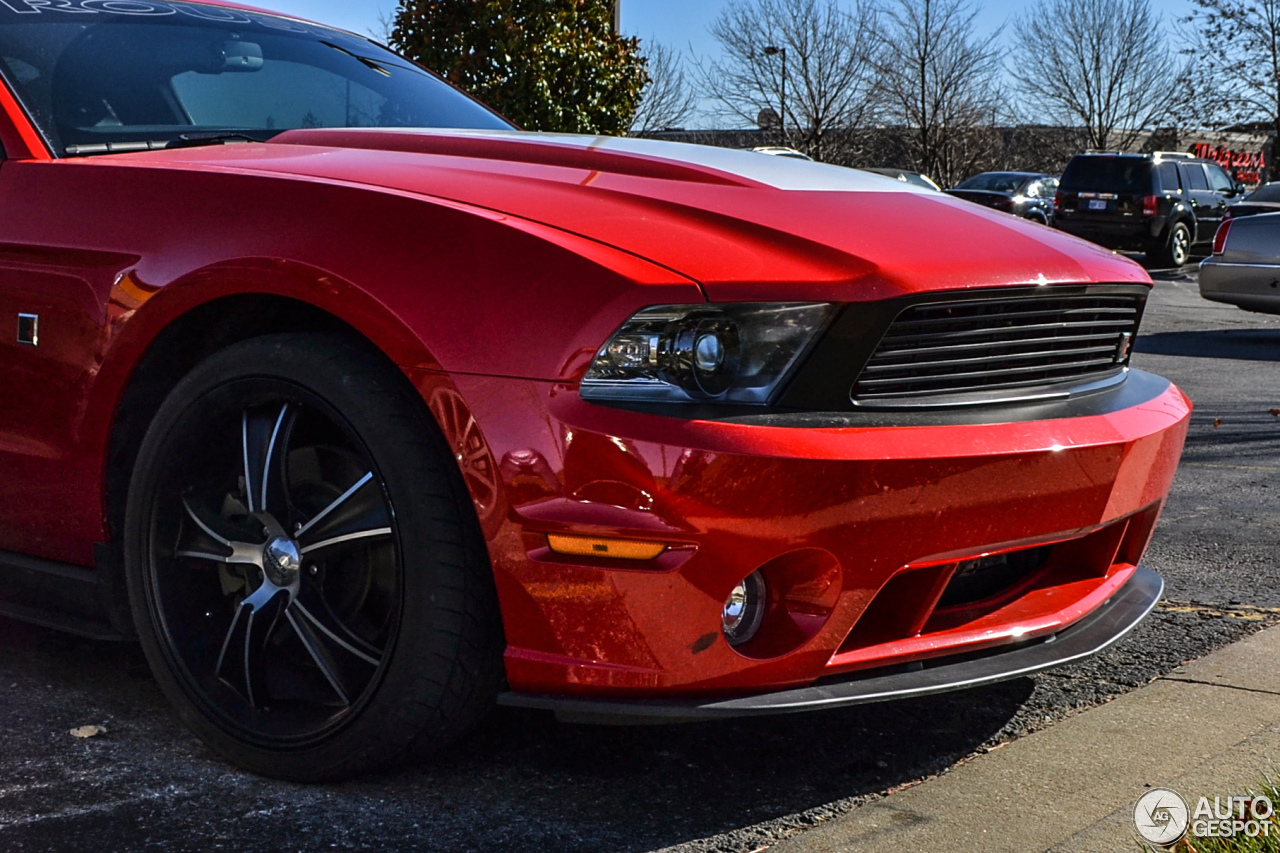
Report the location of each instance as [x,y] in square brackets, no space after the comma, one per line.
[943,366]
[998,348]
[1010,371]
[1047,328]
[960,351]
[1122,313]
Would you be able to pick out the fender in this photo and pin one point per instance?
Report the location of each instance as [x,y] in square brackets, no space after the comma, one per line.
[416,276]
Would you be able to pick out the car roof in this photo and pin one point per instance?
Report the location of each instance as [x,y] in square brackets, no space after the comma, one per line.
[1168,156]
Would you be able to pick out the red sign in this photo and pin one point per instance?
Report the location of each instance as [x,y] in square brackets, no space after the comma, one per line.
[1249,167]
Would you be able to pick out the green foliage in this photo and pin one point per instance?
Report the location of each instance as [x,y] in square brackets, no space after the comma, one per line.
[546,64]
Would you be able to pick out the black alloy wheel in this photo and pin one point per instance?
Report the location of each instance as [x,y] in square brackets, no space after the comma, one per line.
[304,567]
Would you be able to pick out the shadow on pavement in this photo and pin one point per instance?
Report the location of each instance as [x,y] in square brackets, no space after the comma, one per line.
[523,781]
[1242,344]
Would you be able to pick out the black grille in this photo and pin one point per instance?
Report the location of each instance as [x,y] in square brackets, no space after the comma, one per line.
[1000,348]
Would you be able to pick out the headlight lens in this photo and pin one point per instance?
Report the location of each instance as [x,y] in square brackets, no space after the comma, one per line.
[734,353]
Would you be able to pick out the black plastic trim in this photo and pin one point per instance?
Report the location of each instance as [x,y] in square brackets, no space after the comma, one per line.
[1139,387]
[1104,626]
[57,595]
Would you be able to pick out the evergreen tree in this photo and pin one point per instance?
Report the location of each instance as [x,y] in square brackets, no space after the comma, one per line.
[552,65]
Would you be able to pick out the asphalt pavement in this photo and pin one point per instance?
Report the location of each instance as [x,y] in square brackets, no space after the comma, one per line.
[527,782]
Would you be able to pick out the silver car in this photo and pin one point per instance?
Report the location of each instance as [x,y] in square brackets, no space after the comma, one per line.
[1244,268]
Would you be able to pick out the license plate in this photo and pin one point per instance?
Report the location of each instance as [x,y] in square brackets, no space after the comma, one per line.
[1097,204]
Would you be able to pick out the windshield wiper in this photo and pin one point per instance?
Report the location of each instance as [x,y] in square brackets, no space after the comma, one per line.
[366,61]
[193,140]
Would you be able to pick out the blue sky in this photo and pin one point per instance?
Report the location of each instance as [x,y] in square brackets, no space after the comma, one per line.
[681,24]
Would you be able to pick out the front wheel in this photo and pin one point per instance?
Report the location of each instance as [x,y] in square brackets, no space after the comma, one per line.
[304,565]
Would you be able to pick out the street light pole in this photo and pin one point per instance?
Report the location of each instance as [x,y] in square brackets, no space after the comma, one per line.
[774,50]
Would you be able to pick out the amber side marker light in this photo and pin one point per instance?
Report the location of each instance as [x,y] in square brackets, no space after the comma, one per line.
[619,549]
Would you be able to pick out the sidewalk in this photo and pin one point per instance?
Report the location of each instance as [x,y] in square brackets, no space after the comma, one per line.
[1211,727]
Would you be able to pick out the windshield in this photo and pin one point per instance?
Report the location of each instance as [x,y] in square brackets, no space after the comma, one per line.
[1266,192]
[150,74]
[996,182]
[1109,174]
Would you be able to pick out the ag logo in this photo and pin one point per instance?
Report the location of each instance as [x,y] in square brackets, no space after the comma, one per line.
[1161,816]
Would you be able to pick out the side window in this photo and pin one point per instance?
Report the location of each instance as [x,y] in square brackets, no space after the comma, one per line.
[1219,179]
[1168,174]
[1049,187]
[1033,190]
[1195,178]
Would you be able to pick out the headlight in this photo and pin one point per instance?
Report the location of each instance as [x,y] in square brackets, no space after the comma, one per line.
[734,353]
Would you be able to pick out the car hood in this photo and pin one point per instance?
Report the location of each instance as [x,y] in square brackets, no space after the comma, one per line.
[744,225]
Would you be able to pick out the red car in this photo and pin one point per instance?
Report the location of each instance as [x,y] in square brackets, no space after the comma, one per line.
[366,411]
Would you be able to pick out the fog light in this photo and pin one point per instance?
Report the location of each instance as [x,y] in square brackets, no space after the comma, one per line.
[744,610]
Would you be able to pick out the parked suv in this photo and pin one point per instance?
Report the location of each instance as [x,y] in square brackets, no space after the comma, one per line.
[1162,203]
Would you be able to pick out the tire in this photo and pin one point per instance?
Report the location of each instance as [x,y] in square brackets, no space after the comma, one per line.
[304,564]
[1177,247]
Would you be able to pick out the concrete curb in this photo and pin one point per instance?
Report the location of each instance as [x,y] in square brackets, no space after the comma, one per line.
[1211,727]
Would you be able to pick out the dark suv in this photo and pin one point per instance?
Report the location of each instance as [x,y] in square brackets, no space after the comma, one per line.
[1161,204]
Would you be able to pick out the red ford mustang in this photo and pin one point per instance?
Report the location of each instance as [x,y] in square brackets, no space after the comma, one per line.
[365,411]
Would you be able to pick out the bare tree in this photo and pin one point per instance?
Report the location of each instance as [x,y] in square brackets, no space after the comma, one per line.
[940,80]
[1103,64]
[381,32]
[667,101]
[821,56]
[1234,77]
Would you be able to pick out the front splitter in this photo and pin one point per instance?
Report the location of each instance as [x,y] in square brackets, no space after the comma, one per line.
[1104,626]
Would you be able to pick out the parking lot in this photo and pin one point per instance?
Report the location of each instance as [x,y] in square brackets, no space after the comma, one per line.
[527,782]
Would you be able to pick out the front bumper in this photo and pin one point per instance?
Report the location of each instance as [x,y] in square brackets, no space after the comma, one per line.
[1104,626]
[858,523]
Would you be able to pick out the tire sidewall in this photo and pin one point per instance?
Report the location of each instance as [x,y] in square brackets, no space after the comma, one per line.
[436,539]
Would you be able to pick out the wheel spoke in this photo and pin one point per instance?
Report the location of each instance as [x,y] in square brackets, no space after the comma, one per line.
[264,435]
[320,653]
[242,661]
[375,533]
[204,542]
[360,509]
[318,615]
